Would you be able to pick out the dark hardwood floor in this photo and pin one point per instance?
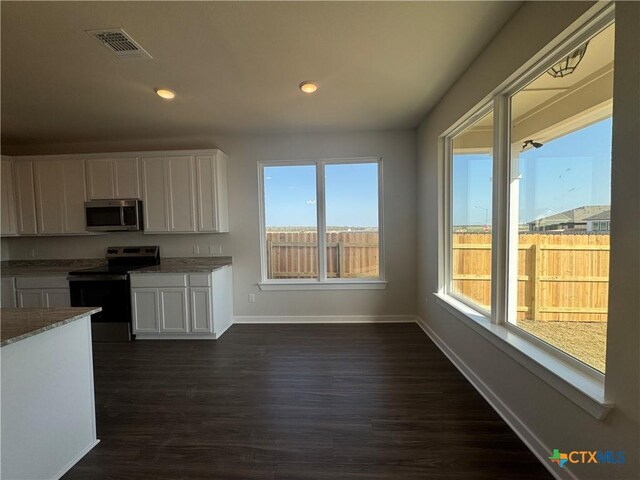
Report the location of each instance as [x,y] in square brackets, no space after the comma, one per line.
[295,402]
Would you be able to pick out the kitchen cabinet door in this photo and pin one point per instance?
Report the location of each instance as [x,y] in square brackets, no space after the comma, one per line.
[211,193]
[25,197]
[60,195]
[8,294]
[56,297]
[49,188]
[75,194]
[111,178]
[173,310]
[30,298]
[9,224]
[180,176]
[201,309]
[100,181]
[155,195]
[145,310]
[126,178]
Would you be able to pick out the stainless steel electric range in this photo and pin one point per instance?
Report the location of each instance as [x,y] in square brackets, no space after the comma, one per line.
[109,287]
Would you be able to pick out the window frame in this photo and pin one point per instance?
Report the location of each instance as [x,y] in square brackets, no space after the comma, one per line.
[447,139]
[586,384]
[322,282]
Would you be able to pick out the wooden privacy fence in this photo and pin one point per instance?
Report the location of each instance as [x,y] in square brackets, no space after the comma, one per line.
[349,254]
[560,277]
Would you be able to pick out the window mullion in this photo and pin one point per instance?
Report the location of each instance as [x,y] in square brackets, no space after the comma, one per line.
[322,220]
[500,222]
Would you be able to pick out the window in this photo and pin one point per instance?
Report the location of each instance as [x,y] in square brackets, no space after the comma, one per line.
[471,210]
[560,183]
[536,260]
[321,222]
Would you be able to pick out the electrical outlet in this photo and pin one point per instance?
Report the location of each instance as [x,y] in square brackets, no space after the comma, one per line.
[252,298]
[215,249]
[33,253]
[196,249]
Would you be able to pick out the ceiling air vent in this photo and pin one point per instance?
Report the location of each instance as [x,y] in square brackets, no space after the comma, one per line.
[118,42]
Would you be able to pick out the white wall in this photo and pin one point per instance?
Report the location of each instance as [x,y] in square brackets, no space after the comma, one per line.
[548,415]
[399,154]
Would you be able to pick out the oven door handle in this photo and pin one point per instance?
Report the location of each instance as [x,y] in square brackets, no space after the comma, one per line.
[95,278]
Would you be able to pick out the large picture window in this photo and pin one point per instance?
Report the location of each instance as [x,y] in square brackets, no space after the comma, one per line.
[527,220]
[560,196]
[321,222]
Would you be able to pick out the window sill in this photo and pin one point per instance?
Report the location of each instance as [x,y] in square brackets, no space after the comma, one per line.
[316,285]
[586,391]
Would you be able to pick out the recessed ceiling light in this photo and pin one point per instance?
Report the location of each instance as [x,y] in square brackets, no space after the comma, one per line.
[308,87]
[165,93]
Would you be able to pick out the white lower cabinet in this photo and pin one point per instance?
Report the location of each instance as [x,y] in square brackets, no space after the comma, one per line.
[8,292]
[38,292]
[201,309]
[173,310]
[182,305]
[145,310]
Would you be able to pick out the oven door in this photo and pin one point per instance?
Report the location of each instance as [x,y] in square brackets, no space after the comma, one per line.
[112,294]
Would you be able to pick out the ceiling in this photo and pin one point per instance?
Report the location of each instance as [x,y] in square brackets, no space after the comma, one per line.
[235,66]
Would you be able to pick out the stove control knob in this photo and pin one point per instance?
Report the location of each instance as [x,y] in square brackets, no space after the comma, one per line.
[112,250]
[149,250]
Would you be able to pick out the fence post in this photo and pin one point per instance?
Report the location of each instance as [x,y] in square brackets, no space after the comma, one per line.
[269,259]
[340,259]
[537,271]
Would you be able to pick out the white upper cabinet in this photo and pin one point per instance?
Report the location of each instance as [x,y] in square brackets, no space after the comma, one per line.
[155,195]
[182,191]
[8,212]
[60,196]
[212,203]
[25,197]
[111,178]
[185,193]
[168,194]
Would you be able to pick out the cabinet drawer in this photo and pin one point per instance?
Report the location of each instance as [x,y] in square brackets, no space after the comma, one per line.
[203,280]
[42,282]
[152,281]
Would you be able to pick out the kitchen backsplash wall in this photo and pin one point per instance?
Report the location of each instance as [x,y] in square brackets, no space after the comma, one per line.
[93,246]
[4,249]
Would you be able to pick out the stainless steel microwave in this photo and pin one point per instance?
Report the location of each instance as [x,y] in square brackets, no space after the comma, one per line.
[113,215]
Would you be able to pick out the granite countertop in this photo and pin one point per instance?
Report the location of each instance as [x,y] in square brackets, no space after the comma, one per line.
[186,265]
[19,323]
[53,268]
[46,268]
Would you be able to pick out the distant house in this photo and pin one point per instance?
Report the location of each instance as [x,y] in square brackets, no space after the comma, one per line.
[576,219]
[600,222]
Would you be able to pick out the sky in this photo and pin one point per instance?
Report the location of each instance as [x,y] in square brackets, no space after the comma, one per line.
[565,173]
[351,195]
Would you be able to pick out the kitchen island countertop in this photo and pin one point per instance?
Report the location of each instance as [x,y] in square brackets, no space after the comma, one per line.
[19,323]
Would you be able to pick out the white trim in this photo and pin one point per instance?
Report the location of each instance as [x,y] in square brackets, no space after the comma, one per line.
[177,336]
[308,284]
[304,319]
[347,284]
[537,447]
[572,381]
[76,459]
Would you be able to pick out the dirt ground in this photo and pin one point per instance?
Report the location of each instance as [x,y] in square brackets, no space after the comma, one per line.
[586,341]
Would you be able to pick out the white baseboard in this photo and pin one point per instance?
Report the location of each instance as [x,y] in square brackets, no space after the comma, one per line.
[539,449]
[328,319]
